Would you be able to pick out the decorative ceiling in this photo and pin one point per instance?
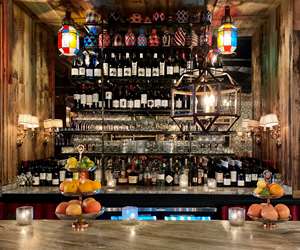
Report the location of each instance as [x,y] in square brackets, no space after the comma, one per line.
[247,14]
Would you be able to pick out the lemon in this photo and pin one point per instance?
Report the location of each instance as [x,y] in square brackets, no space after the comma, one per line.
[72,162]
[261,184]
[258,190]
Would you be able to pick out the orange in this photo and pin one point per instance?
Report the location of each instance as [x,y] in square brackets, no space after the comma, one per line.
[86,187]
[96,185]
[70,187]
[276,189]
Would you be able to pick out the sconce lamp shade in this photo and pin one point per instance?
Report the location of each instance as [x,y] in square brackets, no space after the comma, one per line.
[269,120]
[68,40]
[28,121]
[53,123]
[227,34]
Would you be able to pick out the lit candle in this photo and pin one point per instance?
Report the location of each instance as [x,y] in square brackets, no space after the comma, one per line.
[211,183]
[236,216]
[129,213]
[111,183]
[24,215]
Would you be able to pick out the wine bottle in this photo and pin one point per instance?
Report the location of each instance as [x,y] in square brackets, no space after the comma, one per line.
[165,99]
[148,71]
[189,63]
[116,98]
[150,101]
[169,173]
[89,71]
[95,98]
[83,97]
[113,66]
[226,173]
[141,66]
[160,181]
[137,98]
[127,66]
[176,66]
[134,66]
[169,67]
[233,172]
[120,66]
[105,66]
[196,70]
[123,101]
[108,99]
[157,100]
[178,103]
[74,69]
[130,101]
[219,175]
[97,68]
[81,67]
[183,64]
[162,64]
[155,66]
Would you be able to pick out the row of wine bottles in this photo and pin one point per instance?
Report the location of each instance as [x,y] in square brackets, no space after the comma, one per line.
[118,65]
[172,171]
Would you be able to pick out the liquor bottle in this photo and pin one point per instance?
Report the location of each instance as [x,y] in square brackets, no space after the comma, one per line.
[81,66]
[176,66]
[200,170]
[89,99]
[95,99]
[120,72]
[248,174]
[186,170]
[130,101]
[254,173]
[123,177]
[105,66]
[183,64]
[74,69]
[98,171]
[108,99]
[150,101]
[194,173]
[133,176]
[55,176]
[35,174]
[241,176]
[123,95]
[189,63]
[233,172]
[116,98]
[196,70]
[160,181]
[169,67]
[127,66]
[49,174]
[69,176]
[147,177]
[112,66]
[157,100]
[141,66]
[162,65]
[148,69]
[176,173]
[205,170]
[62,173]
[153,176]
[42,168]
[155,66]
[134,66]
[97,68]
[144,99]
[169,173]
[137,98]
[140,171]
[226,173]
[165,99]
[89,71]
[219,174]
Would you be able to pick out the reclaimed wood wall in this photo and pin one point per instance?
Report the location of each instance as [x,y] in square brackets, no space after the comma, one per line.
[272,83]
[27,88]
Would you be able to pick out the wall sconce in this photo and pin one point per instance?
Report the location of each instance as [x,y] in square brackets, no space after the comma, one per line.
[250,128]
[271,122]
[26,123]
[50,125]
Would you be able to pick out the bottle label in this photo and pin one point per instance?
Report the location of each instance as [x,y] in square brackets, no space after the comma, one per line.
[248,177]
[155,72]
[143,98]
[150,104]
[161,68]
[178,104]
[134,68]
[89,72]
[254,177]
[132,179]
[95,98]
[130,104]
[42,176]
[108,95]
[76,97]
[233,176]
[89,99]
[120,72]
[160,177]
[82,71]
[148,72]
[176,69]
[105,69]
[123,103]
[83,99]
[141,72]
[74,72]
[195,179]
[116,104]
[196,72]
[219,177]
[112,72]
[62,175]
[164,103]
[137,104]
[170,70]
[36,181]
[127,71]
[227,182]
[157,103]
[169,179]
[182,70]
[241,183]
[122,180]
[97,72]
[55,182]
[49,177]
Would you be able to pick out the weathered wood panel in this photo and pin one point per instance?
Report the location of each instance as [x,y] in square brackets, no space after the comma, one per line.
[31,89]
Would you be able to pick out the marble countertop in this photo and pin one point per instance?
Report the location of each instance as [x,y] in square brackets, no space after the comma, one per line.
[144,190]
[217,235]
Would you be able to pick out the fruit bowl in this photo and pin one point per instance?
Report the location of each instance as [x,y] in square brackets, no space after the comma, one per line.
[90,216]
[78,169]
[78,194]
[267,197]
[268,224]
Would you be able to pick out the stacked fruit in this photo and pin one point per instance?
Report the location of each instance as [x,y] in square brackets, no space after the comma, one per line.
[268,212]
[84,164]
[79,186]
[77,208]
[265,189]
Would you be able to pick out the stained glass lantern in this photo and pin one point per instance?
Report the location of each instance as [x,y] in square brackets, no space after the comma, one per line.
[227,34]
[68,37]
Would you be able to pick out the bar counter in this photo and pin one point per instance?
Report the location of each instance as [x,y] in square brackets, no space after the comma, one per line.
[44,234]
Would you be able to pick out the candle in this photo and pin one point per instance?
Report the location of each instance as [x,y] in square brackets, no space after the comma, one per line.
[211,183]
[236,216]
[129,213]
[111,183]
[24,215]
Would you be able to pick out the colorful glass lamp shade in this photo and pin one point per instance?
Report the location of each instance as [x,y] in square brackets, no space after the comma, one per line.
[227,34]
[68,37]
